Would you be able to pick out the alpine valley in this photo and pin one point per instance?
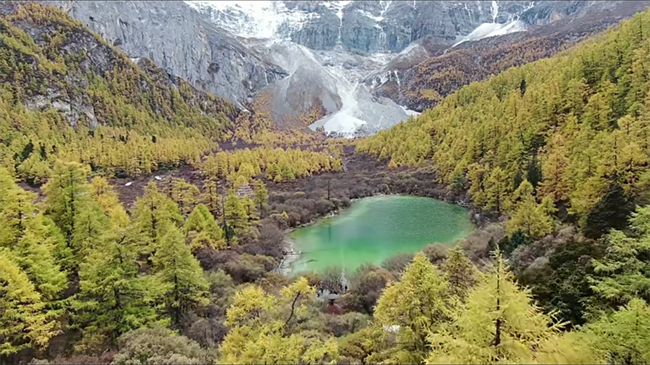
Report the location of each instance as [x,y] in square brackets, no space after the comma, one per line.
[324,182]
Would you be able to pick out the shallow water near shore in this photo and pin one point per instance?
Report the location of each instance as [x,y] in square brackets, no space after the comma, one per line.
[374,229]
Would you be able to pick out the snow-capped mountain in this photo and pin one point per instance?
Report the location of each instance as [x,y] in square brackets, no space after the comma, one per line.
[311,62]
[329,47]
[361,26]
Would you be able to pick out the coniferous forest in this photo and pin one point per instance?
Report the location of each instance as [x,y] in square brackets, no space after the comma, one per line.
[552,155]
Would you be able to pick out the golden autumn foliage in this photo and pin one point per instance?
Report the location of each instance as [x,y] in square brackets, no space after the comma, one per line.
[576,126]
[277,164]
[122,119]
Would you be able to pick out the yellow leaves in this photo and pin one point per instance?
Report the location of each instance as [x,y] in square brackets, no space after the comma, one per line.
[261,345]
[554,167]
[497,188]
[239,181]
[569,348]
[587,127]
[317,351]
[202,229]
[417,304]
[260,335]
[297,295]
[621,336]
[185,194]
[300,286]
[34,169]
[109,202]
[249,303]
[475,174]
[24,321]
[277,164]
[143,124]
[585,199]
[365,345]
[534,219]
[497,324]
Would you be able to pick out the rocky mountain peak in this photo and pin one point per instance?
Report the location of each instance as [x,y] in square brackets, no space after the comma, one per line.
[360,26]
[320,63]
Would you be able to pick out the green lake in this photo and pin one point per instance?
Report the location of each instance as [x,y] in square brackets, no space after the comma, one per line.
[374,229]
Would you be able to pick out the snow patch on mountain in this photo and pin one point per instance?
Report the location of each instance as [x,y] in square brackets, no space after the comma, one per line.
[495,10]
[512,27]
[335,77]
[409,48]
[337,6]
[254,19]
[244,18]
[361,113]
[486,30]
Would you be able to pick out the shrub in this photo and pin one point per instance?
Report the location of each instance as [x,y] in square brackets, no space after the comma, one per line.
[366,286]
[159,346]
[435,252]
[398,263]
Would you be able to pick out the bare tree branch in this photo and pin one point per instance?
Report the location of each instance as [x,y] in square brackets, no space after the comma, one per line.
[293,304]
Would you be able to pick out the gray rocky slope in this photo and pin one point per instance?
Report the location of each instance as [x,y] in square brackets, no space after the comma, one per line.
[309,57]
[180,40]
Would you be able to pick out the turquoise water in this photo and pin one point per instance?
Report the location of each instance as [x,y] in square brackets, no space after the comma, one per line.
[374,229]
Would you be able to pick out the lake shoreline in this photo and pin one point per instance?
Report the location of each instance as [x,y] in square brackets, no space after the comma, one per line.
[289,248]
[291,255]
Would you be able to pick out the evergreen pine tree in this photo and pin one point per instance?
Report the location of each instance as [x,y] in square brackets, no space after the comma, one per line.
[261,195]
[497,324]
[211,197]
[26,236]
[108,201]
[418,304]
[236,215]
[66,193]
[15,207]
[185,195]
[202,230]
[622,337]
[461,274]
[113,299]
[179,275]
[624,272]
[24,322]
[70,205]
[534,220]
[154,214]
[35,253]
[262,331]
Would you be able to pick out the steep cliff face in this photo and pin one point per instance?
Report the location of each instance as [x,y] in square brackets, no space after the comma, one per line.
[420,76]
[178,39]
[383,26]
[60,64]
[341,65]
[361,26]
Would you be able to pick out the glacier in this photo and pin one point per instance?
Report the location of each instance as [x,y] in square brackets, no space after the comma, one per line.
[331,76]
[334,77]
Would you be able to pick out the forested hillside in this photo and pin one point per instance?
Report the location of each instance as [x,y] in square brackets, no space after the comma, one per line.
[67,94]
[574,126]
[188,272]
[84,282]
[423,85]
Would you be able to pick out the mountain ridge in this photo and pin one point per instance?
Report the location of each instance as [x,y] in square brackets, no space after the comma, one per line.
[354,90]
[426,79]
[73,94]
